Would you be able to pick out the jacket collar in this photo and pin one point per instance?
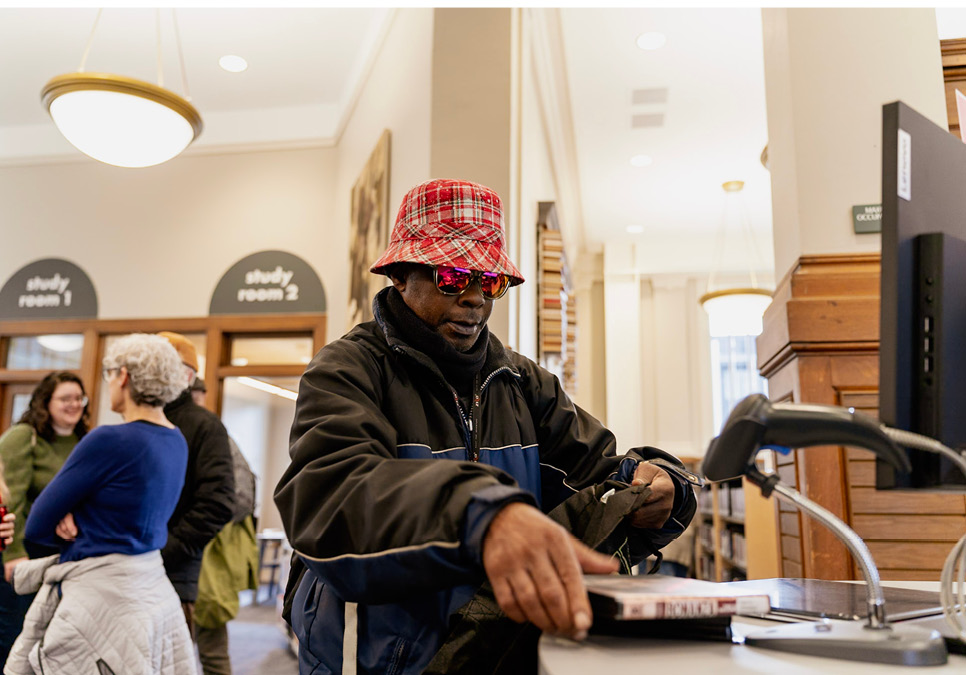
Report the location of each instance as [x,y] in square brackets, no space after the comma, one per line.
[184,398]
[496,354]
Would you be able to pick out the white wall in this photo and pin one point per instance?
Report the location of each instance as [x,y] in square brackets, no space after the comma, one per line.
[155,241]
[827,74]
[396,96]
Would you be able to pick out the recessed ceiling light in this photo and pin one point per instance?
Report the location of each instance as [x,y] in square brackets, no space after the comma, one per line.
[232,63]
[635,229]
[651,40]
[641,160]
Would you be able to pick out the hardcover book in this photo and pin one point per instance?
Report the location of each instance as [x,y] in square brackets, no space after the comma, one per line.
[655,596]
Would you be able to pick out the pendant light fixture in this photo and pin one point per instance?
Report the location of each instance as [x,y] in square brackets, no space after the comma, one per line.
[120,120]
[735,310]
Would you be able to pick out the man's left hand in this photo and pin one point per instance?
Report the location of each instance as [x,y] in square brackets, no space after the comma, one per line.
[657,508]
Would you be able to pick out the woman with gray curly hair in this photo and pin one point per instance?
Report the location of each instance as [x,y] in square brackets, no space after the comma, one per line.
[108,510]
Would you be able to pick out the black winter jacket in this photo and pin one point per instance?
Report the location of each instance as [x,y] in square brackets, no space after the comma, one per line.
[385,506]
[207,499]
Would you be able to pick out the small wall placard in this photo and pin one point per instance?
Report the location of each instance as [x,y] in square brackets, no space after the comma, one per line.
[51,288]
[867,218]
[268,282]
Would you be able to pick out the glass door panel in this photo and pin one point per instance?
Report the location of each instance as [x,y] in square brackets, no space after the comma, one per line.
[45,352]
[258,413]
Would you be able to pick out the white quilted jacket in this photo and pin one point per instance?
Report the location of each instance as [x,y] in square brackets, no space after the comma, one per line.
[110,615]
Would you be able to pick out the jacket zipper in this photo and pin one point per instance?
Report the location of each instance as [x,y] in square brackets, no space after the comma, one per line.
[467,422]
[475,418]
[475,413]
[471,422]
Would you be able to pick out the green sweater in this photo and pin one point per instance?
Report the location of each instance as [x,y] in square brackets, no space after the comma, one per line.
[29,463]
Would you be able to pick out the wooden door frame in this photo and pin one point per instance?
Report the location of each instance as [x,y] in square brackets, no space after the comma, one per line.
[219,330]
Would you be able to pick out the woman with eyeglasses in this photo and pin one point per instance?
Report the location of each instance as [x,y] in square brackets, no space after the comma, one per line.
[32,452]
[105,604]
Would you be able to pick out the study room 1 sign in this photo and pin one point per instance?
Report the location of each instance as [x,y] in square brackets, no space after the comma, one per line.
[51,288]
[268,282]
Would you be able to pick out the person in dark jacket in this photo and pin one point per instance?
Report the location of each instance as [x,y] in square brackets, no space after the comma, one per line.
[207,500]
[425,455]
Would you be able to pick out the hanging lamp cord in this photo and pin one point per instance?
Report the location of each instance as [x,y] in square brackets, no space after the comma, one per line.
[90,40]
[177,38]
[157,29]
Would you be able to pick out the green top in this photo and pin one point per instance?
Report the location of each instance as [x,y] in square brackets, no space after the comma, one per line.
[29,463]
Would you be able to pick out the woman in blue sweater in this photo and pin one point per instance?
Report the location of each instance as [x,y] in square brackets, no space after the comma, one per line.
[108,509]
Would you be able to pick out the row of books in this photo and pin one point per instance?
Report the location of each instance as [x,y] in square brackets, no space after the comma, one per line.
[733,546]
[731,500]
[557,327]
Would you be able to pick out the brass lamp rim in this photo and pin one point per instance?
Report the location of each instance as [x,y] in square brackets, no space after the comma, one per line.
[69,82]
[733,291]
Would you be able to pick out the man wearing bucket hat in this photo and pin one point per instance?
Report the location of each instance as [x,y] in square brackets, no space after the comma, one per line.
[425,454]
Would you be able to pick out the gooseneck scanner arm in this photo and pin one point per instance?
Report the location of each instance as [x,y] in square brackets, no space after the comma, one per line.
[756,423]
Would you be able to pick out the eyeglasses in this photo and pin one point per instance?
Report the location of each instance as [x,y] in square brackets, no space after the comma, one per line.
[455,280]
[106,373]
[67,400]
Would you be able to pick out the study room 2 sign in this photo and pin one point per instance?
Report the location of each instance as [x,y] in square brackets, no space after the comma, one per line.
[51,288]
[268,282]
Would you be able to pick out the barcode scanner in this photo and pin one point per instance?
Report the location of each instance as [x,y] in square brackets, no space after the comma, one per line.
[757,423]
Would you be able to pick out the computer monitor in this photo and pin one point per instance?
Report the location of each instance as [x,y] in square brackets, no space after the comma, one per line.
[922,336]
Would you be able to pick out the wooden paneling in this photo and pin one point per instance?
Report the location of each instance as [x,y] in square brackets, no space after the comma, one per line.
[904,575]
[219,331]
[908,555]
[916,527]
[820,345]
[862,474]
[870,500]
[954,75]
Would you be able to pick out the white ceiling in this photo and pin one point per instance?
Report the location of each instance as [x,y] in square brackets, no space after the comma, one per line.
[307,65]
[713,130]
[305,68]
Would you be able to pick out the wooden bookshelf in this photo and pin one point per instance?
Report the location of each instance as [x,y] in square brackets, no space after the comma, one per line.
[556,302]
[720,548]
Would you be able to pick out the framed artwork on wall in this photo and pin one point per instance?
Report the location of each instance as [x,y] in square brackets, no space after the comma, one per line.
[368,231]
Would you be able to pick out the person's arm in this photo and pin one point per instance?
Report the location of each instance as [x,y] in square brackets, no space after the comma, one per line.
[584,452]
[374,526]
[82,474]
[6,528]
[211,501]
[16,450]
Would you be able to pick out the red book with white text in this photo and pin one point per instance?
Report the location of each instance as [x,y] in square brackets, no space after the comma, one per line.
[655,596]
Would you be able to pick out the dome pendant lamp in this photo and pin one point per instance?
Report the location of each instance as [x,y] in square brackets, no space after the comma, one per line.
[120,120]
[735,311]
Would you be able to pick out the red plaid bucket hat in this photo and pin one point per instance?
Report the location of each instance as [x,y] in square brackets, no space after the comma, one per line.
[450,222]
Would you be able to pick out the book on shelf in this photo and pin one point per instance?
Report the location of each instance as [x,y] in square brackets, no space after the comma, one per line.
[656,596]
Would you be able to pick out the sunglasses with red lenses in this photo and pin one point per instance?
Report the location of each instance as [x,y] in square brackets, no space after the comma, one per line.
[455,280]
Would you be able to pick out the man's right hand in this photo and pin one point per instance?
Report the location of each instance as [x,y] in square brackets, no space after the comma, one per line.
[535,567]
[8,568]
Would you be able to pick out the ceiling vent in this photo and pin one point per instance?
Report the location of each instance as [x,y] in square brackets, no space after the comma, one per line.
[643,96]
[644,120]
